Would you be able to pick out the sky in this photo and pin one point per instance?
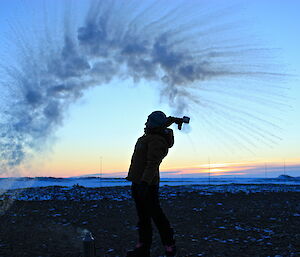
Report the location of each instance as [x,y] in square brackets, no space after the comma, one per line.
[96,130]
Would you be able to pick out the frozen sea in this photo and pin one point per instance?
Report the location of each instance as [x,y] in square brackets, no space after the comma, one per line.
[28,182]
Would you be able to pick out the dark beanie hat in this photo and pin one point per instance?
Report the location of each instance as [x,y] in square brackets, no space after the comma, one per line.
[156,119]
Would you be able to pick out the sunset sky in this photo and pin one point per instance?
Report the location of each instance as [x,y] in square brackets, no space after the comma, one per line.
[100,129]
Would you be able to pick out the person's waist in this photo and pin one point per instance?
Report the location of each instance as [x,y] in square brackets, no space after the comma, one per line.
[134,184]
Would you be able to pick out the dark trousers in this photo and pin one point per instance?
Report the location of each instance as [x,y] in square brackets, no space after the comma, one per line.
[148,208]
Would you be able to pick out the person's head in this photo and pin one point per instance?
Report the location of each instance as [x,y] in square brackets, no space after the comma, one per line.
[156,120]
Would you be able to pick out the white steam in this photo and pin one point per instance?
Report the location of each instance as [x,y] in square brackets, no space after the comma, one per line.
[197,54]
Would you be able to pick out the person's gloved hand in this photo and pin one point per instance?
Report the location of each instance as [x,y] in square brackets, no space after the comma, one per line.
[142,189]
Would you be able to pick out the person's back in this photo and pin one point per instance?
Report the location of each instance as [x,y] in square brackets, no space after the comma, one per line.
[149,152]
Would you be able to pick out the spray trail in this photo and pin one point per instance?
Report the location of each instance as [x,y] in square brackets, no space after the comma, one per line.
[196,52]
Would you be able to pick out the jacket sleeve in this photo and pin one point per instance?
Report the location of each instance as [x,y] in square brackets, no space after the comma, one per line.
[157,150]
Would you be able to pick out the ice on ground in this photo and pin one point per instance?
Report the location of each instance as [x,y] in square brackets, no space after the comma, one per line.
[80,193]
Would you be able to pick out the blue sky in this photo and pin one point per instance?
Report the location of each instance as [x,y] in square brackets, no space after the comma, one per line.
[106,121]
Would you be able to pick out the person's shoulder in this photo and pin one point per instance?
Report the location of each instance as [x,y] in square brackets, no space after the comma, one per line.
[156,139]
[143,137]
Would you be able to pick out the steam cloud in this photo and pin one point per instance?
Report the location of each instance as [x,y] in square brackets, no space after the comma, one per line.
[181,47]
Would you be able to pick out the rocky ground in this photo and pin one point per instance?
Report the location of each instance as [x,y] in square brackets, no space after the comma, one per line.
[207,223]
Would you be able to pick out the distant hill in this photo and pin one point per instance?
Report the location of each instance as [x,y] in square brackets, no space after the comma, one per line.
[287,177]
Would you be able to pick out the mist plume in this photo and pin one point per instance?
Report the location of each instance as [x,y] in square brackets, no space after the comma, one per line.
[194,51]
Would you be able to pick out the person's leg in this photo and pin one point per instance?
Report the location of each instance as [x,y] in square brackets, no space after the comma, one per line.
[161,221]
[144,218]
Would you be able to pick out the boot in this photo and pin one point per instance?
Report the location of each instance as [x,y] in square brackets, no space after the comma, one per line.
[170,250]
[139,251]
[169,244]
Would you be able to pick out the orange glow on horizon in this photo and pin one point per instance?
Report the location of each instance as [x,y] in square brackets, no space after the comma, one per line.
[78,167]
[217,169]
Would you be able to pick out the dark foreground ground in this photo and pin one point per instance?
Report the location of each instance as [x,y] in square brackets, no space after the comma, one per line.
[220,224]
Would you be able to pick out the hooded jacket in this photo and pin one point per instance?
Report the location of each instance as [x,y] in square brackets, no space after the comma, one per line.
[149,151]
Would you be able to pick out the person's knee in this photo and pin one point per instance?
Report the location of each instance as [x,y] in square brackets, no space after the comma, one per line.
[144,223]
[157,212]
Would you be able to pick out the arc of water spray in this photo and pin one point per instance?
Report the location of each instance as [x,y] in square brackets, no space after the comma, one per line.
[130,39]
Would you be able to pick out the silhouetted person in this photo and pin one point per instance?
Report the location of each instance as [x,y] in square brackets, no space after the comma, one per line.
[149,152]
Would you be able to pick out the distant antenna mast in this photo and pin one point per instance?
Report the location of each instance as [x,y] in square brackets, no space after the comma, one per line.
[265,170]
[209,171]
[101,170]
